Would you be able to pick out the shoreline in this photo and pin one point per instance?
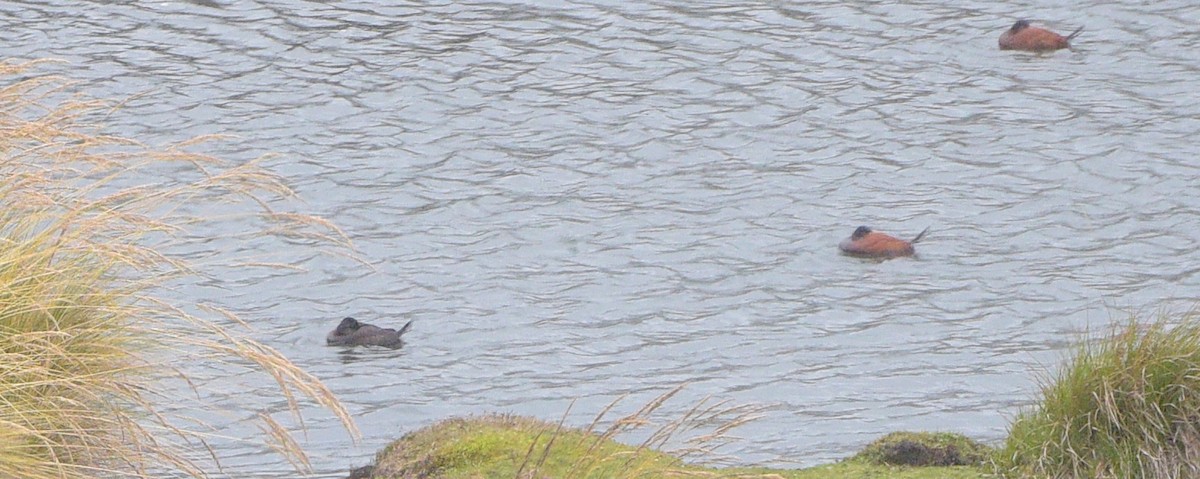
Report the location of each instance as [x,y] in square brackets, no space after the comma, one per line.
[504,445]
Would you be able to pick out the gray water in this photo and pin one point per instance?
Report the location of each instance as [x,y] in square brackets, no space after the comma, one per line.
[579,200]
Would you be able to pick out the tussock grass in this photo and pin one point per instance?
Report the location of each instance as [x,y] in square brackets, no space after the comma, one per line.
[87,225]
[1126,406]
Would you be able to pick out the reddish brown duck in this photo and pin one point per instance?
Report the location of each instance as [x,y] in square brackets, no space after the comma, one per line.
[1022,36]
[868,243]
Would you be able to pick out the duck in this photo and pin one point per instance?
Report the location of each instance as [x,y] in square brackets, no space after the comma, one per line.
[1022,36]
[351,332]
[868,243]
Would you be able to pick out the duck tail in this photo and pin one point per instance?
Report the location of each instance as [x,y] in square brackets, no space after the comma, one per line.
[1075,33]
[921,235]
[405,328]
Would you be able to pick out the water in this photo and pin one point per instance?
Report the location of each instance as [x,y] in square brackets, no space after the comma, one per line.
[578,200]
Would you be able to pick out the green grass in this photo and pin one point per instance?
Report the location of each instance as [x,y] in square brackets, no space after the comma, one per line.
[508,447]
[515,447]
[86,337]
[860,470]
[1126,406]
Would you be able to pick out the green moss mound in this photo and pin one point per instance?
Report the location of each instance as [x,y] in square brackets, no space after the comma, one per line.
[925,449]
[1127,406]
[506,446]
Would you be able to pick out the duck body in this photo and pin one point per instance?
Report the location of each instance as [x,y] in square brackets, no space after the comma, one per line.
[868,243]
[1028,38]
[351,332]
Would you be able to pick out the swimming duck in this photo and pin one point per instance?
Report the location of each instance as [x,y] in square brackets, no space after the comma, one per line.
[353,333]
[868,243]
[1033,39]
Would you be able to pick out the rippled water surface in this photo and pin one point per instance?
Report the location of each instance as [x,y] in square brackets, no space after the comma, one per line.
[586,199]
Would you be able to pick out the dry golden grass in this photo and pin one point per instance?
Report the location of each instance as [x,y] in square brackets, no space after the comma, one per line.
[87,335]
[707,424]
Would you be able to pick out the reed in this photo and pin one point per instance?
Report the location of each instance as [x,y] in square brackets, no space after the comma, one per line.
[1124,406]
[89,333]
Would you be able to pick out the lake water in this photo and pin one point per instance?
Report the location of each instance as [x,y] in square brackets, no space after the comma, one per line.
[579,200]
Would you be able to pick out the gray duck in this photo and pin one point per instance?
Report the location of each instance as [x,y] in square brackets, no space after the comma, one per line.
[353,333]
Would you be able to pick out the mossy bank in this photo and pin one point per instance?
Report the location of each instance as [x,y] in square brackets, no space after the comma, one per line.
[506,446]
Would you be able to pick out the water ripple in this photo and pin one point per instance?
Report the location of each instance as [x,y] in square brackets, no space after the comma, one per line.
[587,199]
